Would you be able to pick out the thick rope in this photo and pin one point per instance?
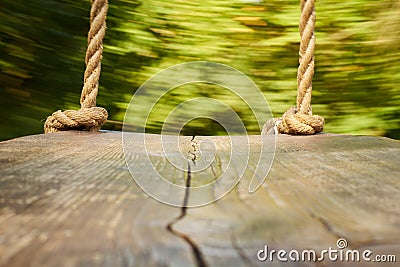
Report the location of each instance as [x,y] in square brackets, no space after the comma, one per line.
[299,119]
[89,117]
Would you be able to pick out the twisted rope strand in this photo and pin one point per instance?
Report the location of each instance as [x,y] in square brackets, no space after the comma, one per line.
[305,71]
[94,53]
[89,117]
[299,119]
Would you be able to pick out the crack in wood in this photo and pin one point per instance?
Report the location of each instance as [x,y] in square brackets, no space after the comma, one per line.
[326,225]
[198,255]
[240,251]
[192,153]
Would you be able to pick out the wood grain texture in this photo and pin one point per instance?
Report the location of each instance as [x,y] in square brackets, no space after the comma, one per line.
[68,199]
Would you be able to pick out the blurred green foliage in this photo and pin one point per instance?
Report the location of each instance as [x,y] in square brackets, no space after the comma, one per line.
[43,43]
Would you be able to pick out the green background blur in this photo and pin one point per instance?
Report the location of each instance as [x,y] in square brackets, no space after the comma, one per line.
[356,84]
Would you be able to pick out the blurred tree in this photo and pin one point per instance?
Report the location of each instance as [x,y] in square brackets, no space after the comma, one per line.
[43,43]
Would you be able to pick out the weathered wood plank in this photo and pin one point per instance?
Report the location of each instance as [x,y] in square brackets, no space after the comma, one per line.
[68,199]
[320,188]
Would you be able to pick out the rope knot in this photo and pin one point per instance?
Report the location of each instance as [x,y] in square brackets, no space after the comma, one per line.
[89,119]
[301,120]
[294,122]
